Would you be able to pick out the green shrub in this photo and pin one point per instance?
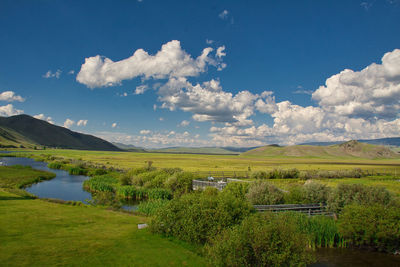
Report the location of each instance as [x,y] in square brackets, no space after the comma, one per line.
[264,193]
[198,216]
[260,241]
[315,192]
[180,183]
[346,194]
[376,226]
[259,175]
[126,191]
[295,195]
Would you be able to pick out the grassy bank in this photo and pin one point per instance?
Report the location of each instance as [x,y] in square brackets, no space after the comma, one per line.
[21,176]
[39,233]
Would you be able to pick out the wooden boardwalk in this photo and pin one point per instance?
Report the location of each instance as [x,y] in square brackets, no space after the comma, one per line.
[310,209]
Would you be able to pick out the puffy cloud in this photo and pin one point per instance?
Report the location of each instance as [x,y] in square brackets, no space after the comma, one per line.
[9,110]
[170,61]
[145,132]
[44,118]
[68,123]
[373,92]
[71,72]
[223,14]
[82,122]
[184,123]
[10,96]
[50,74]
[220,52]
[207,101]
[141,89]
[114,125]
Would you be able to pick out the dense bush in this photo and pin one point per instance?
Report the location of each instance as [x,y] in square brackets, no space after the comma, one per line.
[346,194]
[264,193]
[180,183]
[315,192]
[198,216]
[314,174]
[260,240]
[276,174]
[259,175]
[375,226]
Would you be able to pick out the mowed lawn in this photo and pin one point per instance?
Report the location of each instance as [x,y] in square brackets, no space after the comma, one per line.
[38,233]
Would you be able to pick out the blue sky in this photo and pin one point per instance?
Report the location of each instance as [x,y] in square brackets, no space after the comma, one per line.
[275,72]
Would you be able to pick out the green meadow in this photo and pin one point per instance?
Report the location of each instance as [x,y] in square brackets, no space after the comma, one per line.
[205,163]
[35,232]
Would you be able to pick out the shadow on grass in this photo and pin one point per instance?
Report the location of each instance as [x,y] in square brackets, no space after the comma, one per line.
[15,198]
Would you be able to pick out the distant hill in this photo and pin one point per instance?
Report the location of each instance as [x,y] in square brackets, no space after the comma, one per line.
[130,148]
[347,149]
[391,141]
[24,129]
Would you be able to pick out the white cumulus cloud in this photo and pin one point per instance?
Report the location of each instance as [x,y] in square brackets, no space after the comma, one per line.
[184,123]
[10,96]
[141,89]
[44,118]
[68,123]
[82,122]
[114,125]
[369,93]
[170,61]
[9,110]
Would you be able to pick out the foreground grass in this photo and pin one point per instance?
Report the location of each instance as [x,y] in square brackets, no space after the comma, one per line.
[40,233]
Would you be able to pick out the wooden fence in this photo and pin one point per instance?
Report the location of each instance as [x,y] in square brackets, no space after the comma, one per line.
[310,209]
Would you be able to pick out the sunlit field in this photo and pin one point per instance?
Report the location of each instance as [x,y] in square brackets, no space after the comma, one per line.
[206,163]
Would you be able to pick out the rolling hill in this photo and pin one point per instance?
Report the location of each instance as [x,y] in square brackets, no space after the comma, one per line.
[27,131]
[348,149]
[390,141]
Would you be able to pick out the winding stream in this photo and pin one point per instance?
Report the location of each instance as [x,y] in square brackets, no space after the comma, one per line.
[69,187]
[64,186]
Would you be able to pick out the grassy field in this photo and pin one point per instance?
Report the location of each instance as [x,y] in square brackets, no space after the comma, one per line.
[195,162]
[34,232]
[39,233]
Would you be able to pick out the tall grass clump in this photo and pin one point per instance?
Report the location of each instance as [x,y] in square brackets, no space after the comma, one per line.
[55,165]
[150,207]
[276,174]
[77,171]
[159,193]
[102,183]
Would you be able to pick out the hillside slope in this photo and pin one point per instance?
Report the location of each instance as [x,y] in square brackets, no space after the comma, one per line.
[390,141]
[43,133]
[347,149]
